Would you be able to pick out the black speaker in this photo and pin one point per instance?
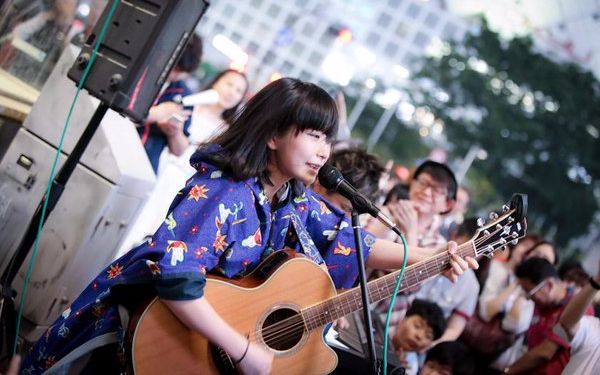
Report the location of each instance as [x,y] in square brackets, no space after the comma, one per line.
[142,43]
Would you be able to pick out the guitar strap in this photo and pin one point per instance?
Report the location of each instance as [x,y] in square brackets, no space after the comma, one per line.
[306,242]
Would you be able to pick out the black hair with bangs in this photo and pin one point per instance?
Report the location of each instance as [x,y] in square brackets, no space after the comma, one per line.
[283,105]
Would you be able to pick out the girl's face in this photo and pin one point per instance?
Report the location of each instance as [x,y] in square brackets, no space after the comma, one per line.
[298,156]
[231,88]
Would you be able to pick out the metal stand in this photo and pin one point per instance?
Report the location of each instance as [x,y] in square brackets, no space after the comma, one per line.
[7,303]
[364,292]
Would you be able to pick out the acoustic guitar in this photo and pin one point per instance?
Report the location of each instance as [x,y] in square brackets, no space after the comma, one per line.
[284,305]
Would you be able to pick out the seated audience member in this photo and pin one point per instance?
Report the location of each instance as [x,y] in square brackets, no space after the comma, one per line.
[424,322]
[548,353]
[582,332]
[449,358]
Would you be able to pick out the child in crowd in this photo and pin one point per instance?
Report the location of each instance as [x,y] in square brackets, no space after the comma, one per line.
[424,322]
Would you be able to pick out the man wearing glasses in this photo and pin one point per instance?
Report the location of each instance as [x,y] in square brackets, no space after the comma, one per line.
[432,192]
[548,352]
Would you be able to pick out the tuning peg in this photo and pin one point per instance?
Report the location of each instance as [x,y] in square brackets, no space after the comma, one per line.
[489,249]
[498,226]
[486,232]
[493,216]
[502,242]
[514,242]
[480,222]
[514,235]
[505,208]
[510,220]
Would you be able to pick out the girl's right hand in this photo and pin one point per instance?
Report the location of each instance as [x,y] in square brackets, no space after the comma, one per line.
[257,361]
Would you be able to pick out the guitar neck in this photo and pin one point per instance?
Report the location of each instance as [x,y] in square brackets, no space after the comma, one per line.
[381,288]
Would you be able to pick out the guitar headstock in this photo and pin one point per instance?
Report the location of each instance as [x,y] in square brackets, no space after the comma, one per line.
[503,229]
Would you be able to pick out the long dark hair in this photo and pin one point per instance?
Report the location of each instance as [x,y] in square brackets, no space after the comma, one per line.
[283,105]
[227,114]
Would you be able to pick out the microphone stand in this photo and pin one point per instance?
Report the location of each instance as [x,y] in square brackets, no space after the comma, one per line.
[364,291]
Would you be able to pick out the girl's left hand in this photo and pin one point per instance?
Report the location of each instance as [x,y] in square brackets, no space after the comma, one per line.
[457,264]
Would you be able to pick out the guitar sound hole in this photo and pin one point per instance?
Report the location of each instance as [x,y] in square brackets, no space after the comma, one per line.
[283,329]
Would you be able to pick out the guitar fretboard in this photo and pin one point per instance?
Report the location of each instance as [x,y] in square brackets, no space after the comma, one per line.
[383,287]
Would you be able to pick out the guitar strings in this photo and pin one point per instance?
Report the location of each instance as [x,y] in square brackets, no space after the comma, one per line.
[300,323]
[287,325]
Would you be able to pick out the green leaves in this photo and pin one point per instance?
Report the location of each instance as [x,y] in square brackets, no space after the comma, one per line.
[537,122]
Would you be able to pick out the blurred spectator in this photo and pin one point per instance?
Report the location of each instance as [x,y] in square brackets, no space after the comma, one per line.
[207,120]
[397,193]
[548,353]
[423,323]
[361,169]
[502,303]
[582,332]
[449,358]
[454,218]
[573,274]
[168,122]
[543,249]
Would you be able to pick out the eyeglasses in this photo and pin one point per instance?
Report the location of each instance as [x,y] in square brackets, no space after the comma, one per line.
[423,184]
[536,289]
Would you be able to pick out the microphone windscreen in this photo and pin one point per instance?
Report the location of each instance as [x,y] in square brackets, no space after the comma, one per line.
[330,177]
[205,97]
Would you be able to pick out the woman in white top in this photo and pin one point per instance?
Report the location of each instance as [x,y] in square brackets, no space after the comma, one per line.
[501,294]
[210,117]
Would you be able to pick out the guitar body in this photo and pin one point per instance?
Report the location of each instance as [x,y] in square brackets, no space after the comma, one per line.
[261,305]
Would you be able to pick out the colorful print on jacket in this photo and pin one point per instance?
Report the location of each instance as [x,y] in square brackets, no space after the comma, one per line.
[215,224]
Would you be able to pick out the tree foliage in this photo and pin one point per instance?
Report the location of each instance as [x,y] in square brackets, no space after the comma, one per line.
[537,119]
[398,142]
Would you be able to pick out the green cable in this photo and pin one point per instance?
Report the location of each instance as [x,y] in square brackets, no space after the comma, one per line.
[392,300]
[53,170]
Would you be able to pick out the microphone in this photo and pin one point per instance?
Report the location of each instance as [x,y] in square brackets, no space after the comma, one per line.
[332,179]
[210,96]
